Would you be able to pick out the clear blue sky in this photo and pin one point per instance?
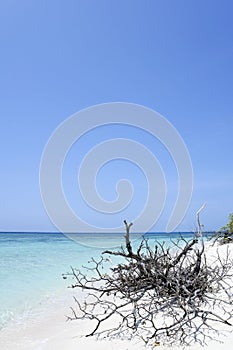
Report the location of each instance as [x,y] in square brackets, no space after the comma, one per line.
[58,57]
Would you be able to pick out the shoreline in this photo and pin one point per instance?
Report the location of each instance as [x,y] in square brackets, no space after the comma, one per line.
[45,327]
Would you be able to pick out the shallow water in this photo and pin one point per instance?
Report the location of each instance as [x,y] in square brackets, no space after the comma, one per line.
[32,264]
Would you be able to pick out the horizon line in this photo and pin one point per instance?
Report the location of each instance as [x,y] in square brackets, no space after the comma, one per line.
[115,233]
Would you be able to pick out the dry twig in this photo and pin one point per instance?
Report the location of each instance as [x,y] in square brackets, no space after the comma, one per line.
[156,294]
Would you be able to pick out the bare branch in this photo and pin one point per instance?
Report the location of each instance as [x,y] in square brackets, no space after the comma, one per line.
[164,295]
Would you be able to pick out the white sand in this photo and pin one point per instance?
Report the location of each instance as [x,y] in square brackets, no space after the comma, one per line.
[49,330]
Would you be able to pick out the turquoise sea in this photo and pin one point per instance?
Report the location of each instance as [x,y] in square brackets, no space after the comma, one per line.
[32,264]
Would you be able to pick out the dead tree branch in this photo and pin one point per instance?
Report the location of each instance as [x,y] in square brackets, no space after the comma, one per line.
[156,293]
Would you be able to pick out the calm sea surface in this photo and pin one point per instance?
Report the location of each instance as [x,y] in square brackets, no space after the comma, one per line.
[31,264]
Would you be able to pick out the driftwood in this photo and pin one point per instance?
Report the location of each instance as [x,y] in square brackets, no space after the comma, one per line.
[160,294]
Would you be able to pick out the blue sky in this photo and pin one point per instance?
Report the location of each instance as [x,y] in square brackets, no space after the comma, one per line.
[58,57]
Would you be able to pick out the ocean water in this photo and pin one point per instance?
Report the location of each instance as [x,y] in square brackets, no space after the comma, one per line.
[32,264]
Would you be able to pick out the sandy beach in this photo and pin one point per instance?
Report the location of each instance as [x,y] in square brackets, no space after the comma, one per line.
[48,328]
